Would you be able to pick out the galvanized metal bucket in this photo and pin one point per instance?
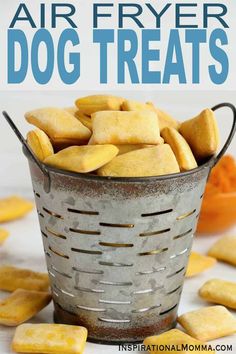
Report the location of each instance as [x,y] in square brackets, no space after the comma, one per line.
[117,248]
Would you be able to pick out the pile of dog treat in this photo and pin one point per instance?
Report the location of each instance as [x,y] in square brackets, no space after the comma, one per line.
[111,136]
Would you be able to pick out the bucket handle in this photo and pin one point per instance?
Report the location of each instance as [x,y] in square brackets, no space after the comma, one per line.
[232,132]
[47,181]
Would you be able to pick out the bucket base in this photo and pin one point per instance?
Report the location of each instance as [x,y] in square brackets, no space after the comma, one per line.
[111,335]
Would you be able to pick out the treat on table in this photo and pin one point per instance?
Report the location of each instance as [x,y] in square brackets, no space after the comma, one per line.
[198,263]
[12,278]
[49,339]
[22,305]
[208,323]
[224,250]
[175,338]
[14,207]
[4,234]
[219,291]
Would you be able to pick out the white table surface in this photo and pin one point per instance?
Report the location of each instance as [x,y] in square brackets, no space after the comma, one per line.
[24,246]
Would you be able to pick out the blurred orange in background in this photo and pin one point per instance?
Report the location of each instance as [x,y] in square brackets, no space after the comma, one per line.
[218,211]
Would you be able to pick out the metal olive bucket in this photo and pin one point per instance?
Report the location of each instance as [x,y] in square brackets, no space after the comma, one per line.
[117,248]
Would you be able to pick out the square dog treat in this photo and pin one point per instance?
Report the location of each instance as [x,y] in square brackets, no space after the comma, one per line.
[14,207]
[4,234]
[12,278]
[164,119]
[208,323]
[71,110]
[123,149]
[61,126]
[220,292]
[40,144]
[198,263]
[152,161]
[83,159]
[49,339]
[85,120]
[95,103]
[175,338]
[202,134]
[180,147]
[224,249]
[131,105]
[136,127]
[22,305]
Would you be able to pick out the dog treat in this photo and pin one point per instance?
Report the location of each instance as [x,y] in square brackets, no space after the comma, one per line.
[83,159]
[123,149]
[180,147]
[61,126]
[165,120]
[136,127]
[175,338]
[40,144]
[22,305]
[12,278]
[71,110]
[198,263]
[49,339]
[220,292]
[92,104]
[4,234]
[85,120]
[202,134]
[152,161]
[224,250]
[208,323]
[14,207]
[131,105]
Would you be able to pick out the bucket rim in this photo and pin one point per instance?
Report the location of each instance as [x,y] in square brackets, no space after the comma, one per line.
[86,176]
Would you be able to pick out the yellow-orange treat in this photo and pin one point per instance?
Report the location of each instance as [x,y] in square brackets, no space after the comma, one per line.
[40,144]
[85,120]
[61,126]
[135,127]
[131,105]
[180,147]
[71,110]
[175,338]
[12,278]
[4,234]
[22,305]
[123,149]
[198,263]
[95,103]
[208,323]
[49,339]
[220,292]
[224,249]
[202,134]
[165,119]
[83,159]
[152,161]
[14,207]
